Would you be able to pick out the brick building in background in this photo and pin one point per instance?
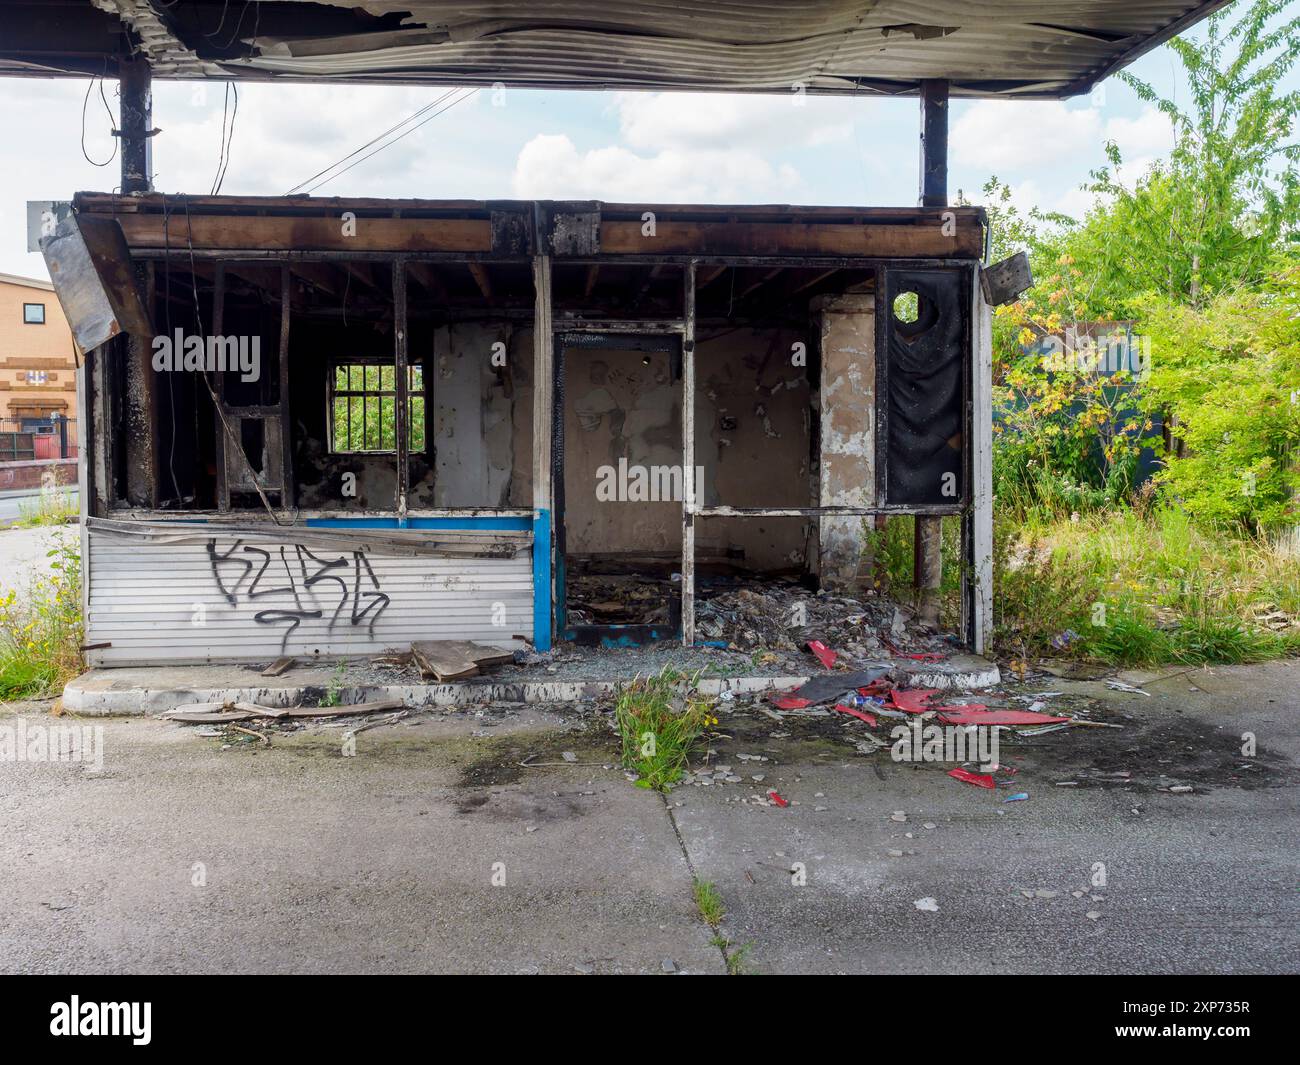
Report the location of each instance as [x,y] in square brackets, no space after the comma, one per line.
[38,383]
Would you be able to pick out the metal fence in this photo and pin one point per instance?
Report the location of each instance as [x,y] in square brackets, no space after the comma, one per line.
[34,439]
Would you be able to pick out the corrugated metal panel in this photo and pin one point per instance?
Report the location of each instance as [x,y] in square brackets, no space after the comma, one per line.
[1034,47]
[169,603]
[1013,47]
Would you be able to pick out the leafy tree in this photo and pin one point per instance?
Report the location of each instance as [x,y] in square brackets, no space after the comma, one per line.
[1212,214]
[1229,373]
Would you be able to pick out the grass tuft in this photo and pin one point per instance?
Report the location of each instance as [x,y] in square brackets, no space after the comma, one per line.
[708,900]
[660,720]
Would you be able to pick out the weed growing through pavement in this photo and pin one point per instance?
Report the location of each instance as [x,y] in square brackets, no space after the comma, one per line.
[660,720]
[708,900]
[334,695]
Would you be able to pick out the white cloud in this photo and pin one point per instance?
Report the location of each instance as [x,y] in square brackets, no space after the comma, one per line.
[689,120]
[690,148]
[550,166]
[1008,136]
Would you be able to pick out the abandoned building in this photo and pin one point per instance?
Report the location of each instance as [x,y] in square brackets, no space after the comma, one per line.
[408,420]
[328,427]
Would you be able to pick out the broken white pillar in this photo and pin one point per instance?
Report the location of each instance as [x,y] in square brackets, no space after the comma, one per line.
[848,429]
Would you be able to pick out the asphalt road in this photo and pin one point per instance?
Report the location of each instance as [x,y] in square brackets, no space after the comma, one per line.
[433,850]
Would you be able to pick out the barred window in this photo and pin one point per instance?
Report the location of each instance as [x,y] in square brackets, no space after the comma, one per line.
[363,407]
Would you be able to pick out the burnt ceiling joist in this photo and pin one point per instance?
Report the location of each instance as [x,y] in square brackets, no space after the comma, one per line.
[1022,49]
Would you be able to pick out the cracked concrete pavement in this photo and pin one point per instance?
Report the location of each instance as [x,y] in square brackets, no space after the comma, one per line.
[182,856]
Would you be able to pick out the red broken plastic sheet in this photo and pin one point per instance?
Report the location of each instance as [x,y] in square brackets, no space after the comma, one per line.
[912,700]
[980,780]
[824,654]
[862,715]
[777,798]
[978,715]
[791,702]
[925,656]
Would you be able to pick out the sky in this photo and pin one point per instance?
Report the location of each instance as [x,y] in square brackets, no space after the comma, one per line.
[515,143]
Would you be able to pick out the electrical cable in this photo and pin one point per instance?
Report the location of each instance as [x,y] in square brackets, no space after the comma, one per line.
[378,137]
[85,100]
[389,144]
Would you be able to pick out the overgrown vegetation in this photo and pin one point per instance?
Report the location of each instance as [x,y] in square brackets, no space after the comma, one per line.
[41,629]
[1147,388]
[660,720]
[54,506]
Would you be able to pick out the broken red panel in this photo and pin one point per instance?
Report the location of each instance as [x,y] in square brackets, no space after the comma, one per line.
[978,715]
[777,798]
[824,654]
[791,702]
[980,780]
[876,687]
[861,715]
[912,700]
[925,656]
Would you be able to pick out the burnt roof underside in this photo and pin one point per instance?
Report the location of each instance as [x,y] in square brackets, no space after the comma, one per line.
[1023,49]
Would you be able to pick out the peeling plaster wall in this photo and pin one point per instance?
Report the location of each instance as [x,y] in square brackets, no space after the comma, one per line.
[753,424]
[848,428]
[475,399]
[619,405]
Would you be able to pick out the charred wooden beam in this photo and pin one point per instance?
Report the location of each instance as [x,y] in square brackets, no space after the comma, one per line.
[233,232]
[759,282]
[925,236]
[481,278]
[427,278]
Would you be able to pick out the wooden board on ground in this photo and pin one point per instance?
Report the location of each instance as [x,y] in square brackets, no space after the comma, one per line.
[455,659]
[280,665]
[372,707]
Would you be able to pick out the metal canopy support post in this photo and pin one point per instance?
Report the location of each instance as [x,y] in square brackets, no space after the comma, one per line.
[140,401]
[934,143]
[691,501]
[136,122]
[927,556]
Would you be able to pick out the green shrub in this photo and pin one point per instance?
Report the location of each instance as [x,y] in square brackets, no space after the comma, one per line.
[41,631]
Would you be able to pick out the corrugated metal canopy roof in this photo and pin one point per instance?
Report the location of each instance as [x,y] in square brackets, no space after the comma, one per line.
[1017,48]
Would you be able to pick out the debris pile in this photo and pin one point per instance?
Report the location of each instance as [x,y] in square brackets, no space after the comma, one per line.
[786,617]
[598,599]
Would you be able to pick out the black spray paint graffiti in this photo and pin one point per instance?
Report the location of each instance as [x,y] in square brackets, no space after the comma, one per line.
[366,606]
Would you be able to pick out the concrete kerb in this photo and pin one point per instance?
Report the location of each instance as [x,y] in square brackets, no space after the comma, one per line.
[150,691]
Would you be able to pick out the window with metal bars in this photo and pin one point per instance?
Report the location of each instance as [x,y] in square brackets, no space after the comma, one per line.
[363,407]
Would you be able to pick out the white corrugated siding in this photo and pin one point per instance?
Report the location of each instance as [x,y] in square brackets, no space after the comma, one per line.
[160,603]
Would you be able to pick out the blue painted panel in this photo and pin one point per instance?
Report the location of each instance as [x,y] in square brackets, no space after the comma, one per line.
[542,580]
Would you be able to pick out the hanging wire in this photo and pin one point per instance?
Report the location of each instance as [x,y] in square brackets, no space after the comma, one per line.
[108,110]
